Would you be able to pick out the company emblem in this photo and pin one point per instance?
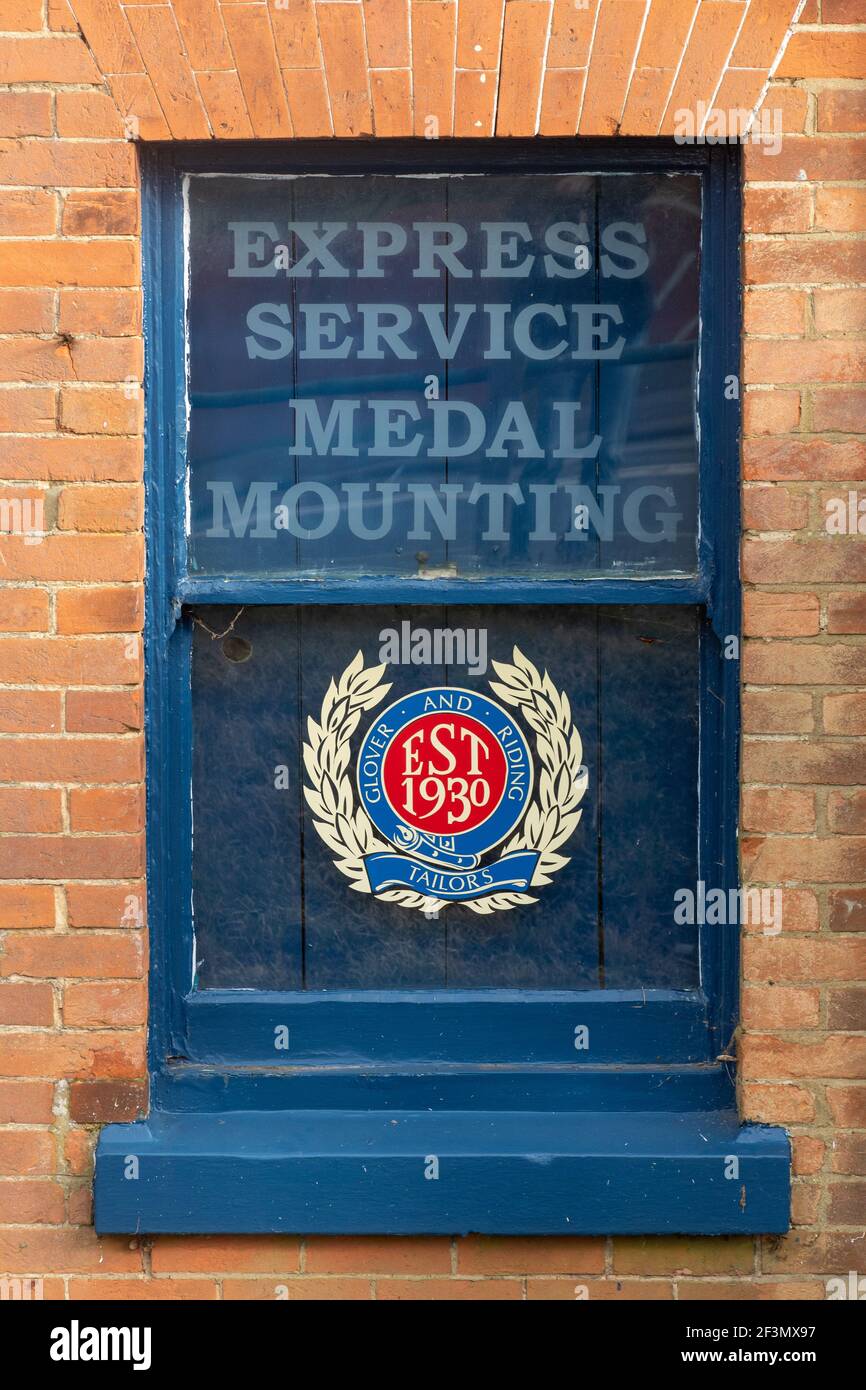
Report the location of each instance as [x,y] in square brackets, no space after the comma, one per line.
[446,801]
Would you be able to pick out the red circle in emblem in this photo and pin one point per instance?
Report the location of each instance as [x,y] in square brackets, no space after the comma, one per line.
[444,773]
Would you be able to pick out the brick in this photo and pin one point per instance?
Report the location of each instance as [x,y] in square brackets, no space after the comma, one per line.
[807,1251]
[101,411]
[780,615]
[570,34]
[34,360]
[771,412]
[841,1055]
[448,1290]
[26,906]
[523,46]
[70,856]
[774,509]
[803,663]
[88,115]
[840,12]
[646,101]
[30,711]
[811,260]
[847,910]
[778,1007]
[104,1006]
[434,30]
[111,213]
[142,1290]
[24,610]
[776,712]
[479,32]
[26,1102]
[561,101]
[846,812]
[847,1105]
[103,262]
[599,1290]
[840,209]
[78,1152]
[294,1289]
[53,59]
[108,359]
[760,38]
[824,54]
[678,1255]
[530,1255]
[773,312]
[308,102]
[845,714]
[27,410]
[39,1203]
[842,110]
[100,610]
[27,1005]
[777,1105]
[847,1203]
[110,312]
[342,37]
[75,1250]
[72,459]
[770,809]
[805,1203]
[204,36]
[26,811]
[25,113]
[276,1254]
[68,164]
[377,1255]
[106,809]
[96,905]
[92,760]
[760,1290]
[849,1154]
[37,660]
[800,959]
[783,362]
[103,711]
[40,955]
[106,1102]
[846,1010]
[224,103]
[18,16]
[787,860]
[778,209]
[106,508]
[834,559]
[613,54]
[474,104]
[839,410]
[840,311]
[391,95]
[26,311]
[802,460]
[24,1152]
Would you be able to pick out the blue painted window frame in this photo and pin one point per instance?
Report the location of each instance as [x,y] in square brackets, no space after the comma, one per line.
[237,1027]
[212,1052]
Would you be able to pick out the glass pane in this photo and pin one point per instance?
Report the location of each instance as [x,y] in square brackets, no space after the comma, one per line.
[478,374]
[492,736]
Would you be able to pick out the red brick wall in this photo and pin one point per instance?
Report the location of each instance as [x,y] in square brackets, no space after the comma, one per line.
[72,941]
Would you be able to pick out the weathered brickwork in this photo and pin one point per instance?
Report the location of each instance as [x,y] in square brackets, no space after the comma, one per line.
[82,81]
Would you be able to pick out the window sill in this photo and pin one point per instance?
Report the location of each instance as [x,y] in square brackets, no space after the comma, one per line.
[553,1172]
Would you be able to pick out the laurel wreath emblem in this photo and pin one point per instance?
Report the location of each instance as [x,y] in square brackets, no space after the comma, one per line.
[548,822]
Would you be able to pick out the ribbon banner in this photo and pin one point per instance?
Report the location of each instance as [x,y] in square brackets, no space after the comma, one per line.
[511,873]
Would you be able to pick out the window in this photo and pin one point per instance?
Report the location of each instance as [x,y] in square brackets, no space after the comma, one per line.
[442,694]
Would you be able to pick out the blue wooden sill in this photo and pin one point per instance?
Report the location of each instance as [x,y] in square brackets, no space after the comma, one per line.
[577,1170]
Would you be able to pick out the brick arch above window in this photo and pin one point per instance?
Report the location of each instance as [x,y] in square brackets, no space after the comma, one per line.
[273,69]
